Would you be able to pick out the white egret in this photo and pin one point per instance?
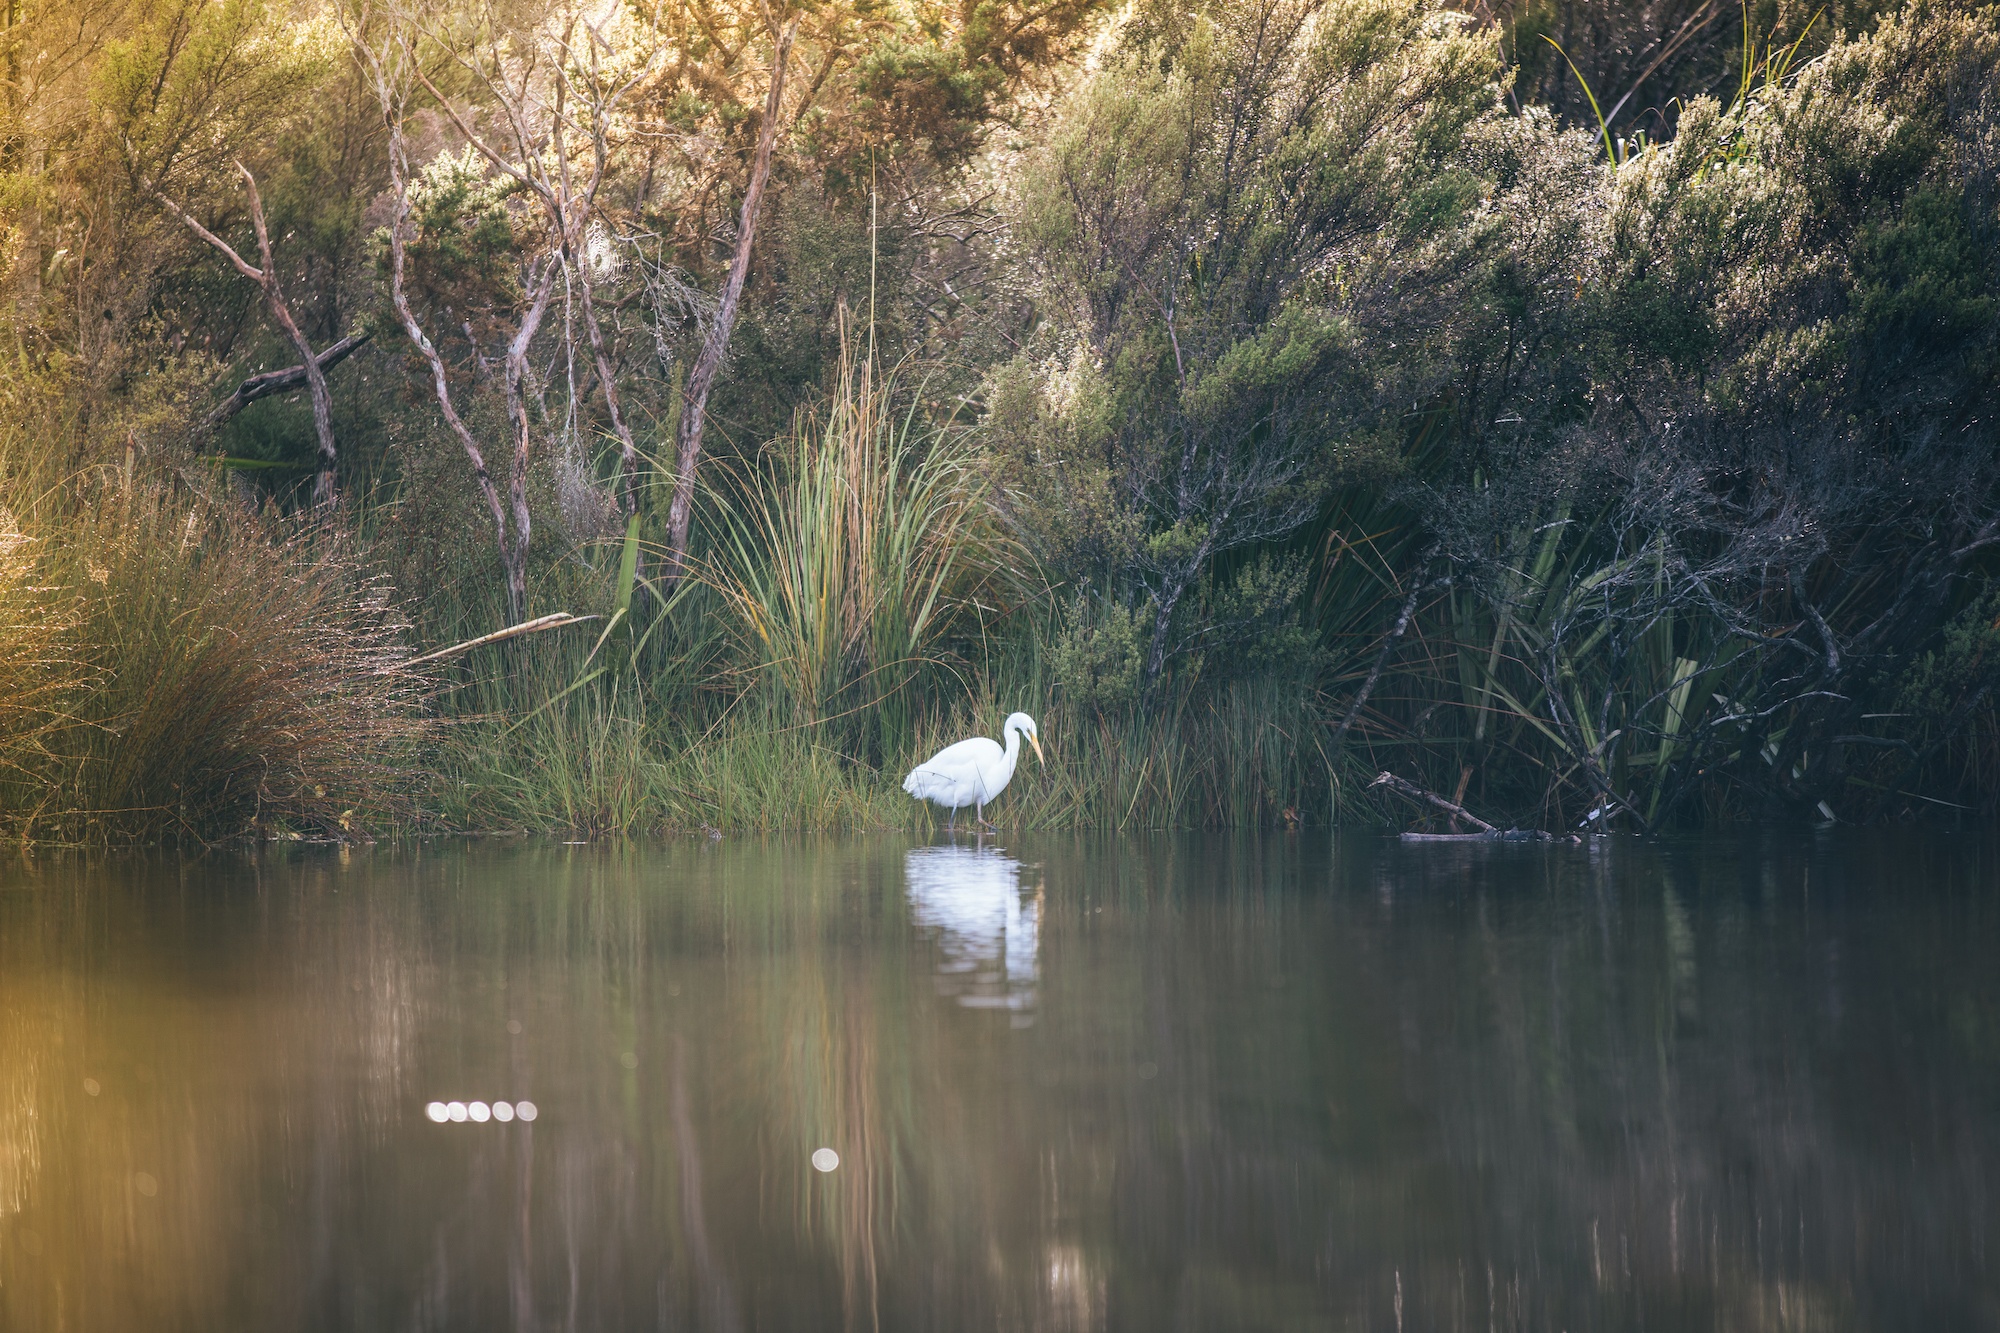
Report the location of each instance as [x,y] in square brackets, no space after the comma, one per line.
[972,772]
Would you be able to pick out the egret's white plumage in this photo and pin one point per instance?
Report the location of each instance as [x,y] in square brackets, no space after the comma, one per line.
[972,772]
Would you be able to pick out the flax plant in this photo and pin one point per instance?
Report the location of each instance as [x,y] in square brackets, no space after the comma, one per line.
[850,566]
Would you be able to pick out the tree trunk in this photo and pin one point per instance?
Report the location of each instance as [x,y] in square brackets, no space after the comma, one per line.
[628,451]
[1156,650]
[399,299]
[694,405]
[1396,633]
[33,253]
[1170,599]
[516,552]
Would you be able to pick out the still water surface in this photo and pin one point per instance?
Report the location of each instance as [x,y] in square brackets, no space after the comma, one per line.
[1199,1083]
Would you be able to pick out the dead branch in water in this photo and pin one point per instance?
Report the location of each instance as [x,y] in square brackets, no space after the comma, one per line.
[1487,832]
[1416,793]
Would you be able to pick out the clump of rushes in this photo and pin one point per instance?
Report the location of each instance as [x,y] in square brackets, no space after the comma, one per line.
[850,568]
[205,675]
[39,675]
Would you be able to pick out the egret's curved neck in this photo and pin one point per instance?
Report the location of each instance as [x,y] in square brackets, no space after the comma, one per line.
[1013,745]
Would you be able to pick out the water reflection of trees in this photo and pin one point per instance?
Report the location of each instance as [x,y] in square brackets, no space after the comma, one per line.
[1268,1084]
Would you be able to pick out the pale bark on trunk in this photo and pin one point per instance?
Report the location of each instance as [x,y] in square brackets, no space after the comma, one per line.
[33,255]
[440,383]
[1396,632]
[516,553]
[569,212]
[578,245]
[628,449]
[694,404]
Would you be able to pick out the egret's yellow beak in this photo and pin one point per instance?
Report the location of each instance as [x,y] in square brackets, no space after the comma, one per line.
[1038,750]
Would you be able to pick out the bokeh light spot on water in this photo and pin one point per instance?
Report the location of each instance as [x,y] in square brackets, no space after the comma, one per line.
[1148,1070]
[513,1027]
[825,1159]
[629,1060]
[479,1112]
[145,1184]
[90,1087]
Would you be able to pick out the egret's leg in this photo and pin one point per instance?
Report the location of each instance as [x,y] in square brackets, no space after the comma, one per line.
[948,819]
[979,813]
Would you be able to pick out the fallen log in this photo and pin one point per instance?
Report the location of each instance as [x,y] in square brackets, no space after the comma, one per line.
[1495,835]
[1487,832]
[281,381]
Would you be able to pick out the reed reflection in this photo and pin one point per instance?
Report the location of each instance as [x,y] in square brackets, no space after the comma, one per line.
[970,900]
[1269,1084]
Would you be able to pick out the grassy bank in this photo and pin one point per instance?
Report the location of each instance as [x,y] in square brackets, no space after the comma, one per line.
[182,667]
[178,667]
[857,603]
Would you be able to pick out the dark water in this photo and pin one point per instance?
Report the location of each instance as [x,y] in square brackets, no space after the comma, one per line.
[1261,1083]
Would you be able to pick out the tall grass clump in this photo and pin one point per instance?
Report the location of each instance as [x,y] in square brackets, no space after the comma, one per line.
[1244,755]
[582,763]
[851,564]
[186,671]
[39,673]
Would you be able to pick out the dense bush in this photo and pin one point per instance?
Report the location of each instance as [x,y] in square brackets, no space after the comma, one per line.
[1287,391]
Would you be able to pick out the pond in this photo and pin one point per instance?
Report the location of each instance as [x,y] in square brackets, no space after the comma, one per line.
[1039,1082]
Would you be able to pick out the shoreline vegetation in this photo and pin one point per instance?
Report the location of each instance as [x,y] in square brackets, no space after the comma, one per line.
[1264,394]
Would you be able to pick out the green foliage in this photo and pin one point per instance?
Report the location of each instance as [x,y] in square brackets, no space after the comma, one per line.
[1215,217]
[1289,353]
[1964,664]
[463,250]
[1924,289]
[1096,660]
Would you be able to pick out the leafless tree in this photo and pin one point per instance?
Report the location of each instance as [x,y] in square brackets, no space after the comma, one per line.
[694,409]
[381,44]
[579,100]
[266,278]
[553,106]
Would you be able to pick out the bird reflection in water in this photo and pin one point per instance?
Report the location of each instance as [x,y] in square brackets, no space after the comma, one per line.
[970,900]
